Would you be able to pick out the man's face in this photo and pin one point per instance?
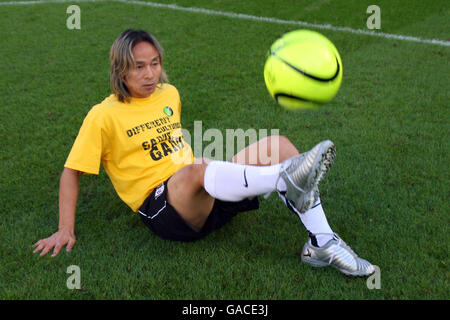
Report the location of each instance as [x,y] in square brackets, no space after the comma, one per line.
[143,77]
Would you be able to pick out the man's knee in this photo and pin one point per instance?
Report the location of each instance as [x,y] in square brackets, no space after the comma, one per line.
[278,141]
[192,175]
[283,140]
[283,147]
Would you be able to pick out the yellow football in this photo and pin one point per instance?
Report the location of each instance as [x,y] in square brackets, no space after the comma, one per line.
[303,70]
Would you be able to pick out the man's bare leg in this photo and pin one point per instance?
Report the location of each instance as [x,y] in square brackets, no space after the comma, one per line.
[267,151]
[186,190]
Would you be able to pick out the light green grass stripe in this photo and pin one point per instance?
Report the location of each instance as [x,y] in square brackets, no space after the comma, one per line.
[254,18]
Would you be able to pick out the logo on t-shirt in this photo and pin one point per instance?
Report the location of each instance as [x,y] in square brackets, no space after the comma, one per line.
[168,110]
[159,191]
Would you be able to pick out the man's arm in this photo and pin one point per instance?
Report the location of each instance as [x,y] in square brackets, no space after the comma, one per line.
[68,197]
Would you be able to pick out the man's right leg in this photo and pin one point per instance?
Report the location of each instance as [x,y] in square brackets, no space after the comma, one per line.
[192,190]
[296,178]
[253,165]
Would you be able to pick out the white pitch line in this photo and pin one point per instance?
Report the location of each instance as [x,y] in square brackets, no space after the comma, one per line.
[251,17]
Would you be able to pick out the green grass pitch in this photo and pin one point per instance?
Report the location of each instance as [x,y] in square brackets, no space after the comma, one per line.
[385,195]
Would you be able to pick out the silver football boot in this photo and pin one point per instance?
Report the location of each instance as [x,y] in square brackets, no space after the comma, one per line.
[303,173]
[339,255]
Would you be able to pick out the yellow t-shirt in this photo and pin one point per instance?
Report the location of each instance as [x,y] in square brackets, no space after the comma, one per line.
[140,143]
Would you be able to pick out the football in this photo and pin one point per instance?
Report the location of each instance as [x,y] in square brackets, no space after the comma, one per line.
[303,70]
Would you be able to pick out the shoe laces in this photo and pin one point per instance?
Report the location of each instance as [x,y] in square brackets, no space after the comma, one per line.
[283,169]
[290,180]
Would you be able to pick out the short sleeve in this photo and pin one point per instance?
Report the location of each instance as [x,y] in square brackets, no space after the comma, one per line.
[86,151]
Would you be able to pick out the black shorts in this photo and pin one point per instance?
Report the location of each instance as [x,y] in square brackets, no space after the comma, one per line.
[160,217]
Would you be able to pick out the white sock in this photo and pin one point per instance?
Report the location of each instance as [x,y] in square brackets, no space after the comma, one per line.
[230,181]
[316,223]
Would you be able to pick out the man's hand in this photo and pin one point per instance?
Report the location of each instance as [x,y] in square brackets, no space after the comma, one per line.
[68,195]
[57,241]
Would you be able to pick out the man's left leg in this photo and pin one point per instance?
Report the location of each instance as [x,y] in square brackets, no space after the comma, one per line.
[192,192]
[272,151]
[324,247]
[189,196]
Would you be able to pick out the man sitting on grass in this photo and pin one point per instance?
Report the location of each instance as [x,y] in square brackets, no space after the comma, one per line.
[136,134]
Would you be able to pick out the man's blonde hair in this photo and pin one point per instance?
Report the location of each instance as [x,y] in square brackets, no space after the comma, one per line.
[122,60]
